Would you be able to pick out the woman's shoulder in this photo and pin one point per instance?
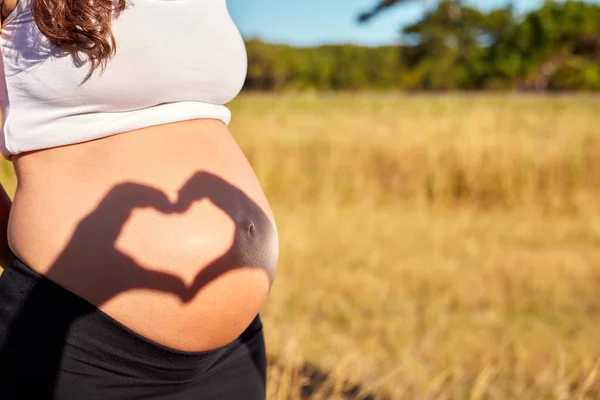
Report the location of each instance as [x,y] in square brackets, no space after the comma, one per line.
[8,7]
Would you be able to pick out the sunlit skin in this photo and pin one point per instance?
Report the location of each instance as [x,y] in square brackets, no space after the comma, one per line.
[166,229]
[7,7]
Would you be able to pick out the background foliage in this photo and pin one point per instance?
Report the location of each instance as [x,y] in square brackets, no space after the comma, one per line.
[453,47]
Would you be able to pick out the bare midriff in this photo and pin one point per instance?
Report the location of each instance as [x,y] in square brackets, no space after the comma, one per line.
[165,229]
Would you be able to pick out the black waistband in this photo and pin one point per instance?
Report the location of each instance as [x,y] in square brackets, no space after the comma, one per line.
[42,320]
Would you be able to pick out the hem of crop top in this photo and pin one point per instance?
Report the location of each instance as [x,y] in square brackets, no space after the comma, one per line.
[115,123]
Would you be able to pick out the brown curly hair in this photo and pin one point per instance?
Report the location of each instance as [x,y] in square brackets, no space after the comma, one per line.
[79,25]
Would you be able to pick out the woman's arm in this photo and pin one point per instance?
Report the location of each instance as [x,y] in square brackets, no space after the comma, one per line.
[5,204]
[6,7]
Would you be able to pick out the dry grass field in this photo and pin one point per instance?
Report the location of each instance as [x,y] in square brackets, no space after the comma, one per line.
[432,247]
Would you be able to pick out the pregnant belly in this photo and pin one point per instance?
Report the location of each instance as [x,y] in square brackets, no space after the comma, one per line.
[164,229]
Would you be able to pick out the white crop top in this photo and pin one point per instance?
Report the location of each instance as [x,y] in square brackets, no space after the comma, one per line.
[175,60]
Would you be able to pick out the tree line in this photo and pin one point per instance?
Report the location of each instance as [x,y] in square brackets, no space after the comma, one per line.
[453,47]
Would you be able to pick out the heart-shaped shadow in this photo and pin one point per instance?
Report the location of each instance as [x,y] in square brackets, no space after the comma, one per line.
[254,245]
[253,240]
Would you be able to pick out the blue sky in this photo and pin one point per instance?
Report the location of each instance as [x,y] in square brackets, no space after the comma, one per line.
[314,22]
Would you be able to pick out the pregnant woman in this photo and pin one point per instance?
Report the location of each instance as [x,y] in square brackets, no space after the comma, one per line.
[139,246]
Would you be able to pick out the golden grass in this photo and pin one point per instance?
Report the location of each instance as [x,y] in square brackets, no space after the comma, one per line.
[431,247]
[440,304]
[483,150]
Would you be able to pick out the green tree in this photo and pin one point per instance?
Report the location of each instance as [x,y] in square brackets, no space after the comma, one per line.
[453,46]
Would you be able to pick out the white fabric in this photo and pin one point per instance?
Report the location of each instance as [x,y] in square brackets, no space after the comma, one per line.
[176,60]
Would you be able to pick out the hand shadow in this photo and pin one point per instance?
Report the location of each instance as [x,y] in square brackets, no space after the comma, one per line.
[35,325]
[254,240]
